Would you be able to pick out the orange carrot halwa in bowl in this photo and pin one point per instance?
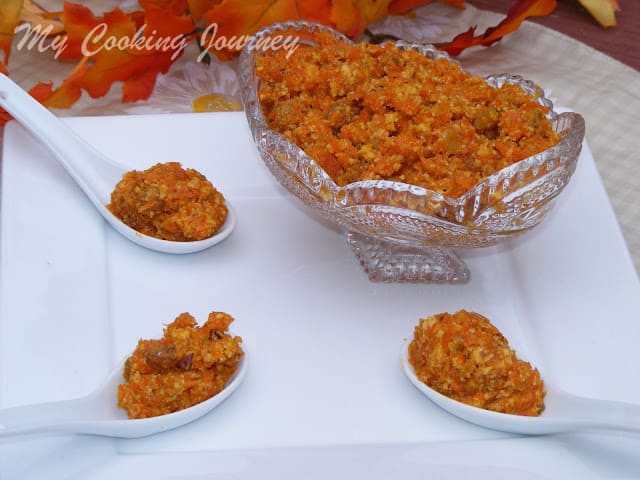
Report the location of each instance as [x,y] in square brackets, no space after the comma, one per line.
[405,151]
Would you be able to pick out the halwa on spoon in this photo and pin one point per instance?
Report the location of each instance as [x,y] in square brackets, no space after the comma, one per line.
[465,357]
[164,384]
[96,174]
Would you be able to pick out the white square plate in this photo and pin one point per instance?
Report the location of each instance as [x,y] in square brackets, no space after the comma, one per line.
[325,395]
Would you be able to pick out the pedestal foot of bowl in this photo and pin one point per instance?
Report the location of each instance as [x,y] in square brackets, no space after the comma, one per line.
[394,262]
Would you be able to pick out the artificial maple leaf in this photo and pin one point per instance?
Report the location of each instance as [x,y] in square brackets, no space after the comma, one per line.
[517,14]
[168,24]
[372,11]
[197,8]
[604,11]
[94,40]
[36,16]
[233,18]
[9,19]
[78,21]
[346,18]
[63,97]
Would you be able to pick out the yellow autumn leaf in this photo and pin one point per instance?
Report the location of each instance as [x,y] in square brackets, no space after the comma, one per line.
[604,11]
[34,14]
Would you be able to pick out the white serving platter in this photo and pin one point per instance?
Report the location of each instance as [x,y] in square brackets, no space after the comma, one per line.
[325,395]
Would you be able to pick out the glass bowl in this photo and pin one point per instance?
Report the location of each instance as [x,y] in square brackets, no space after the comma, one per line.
[403,232]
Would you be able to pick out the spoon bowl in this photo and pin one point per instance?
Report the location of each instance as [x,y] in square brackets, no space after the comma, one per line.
[98,413]
[96,174]
[564,412]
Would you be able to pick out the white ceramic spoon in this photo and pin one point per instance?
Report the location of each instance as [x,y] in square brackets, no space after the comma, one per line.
[98,413]
[563,412]
[96,174]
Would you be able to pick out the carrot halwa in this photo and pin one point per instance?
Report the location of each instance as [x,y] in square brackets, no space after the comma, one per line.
[169,202]
[369,112]
[465,357]
[188,365]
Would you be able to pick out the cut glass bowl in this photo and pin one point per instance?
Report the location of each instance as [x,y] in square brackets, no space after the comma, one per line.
[402,232]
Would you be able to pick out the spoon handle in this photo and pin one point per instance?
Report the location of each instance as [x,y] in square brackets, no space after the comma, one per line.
[606,414]
[73,153]
[62,416]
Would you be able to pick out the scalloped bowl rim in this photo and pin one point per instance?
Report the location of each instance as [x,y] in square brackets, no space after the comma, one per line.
[568,146]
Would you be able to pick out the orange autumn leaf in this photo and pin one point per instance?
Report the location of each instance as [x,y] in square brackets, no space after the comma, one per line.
[236,18]
[167,24]
[36,16]
[198,7]
[9,18]
[4,117]
[63,97]
[518,13]
[372,11]
[107,46]
[6,35]
[79,21]
[346,18]
[229,19]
